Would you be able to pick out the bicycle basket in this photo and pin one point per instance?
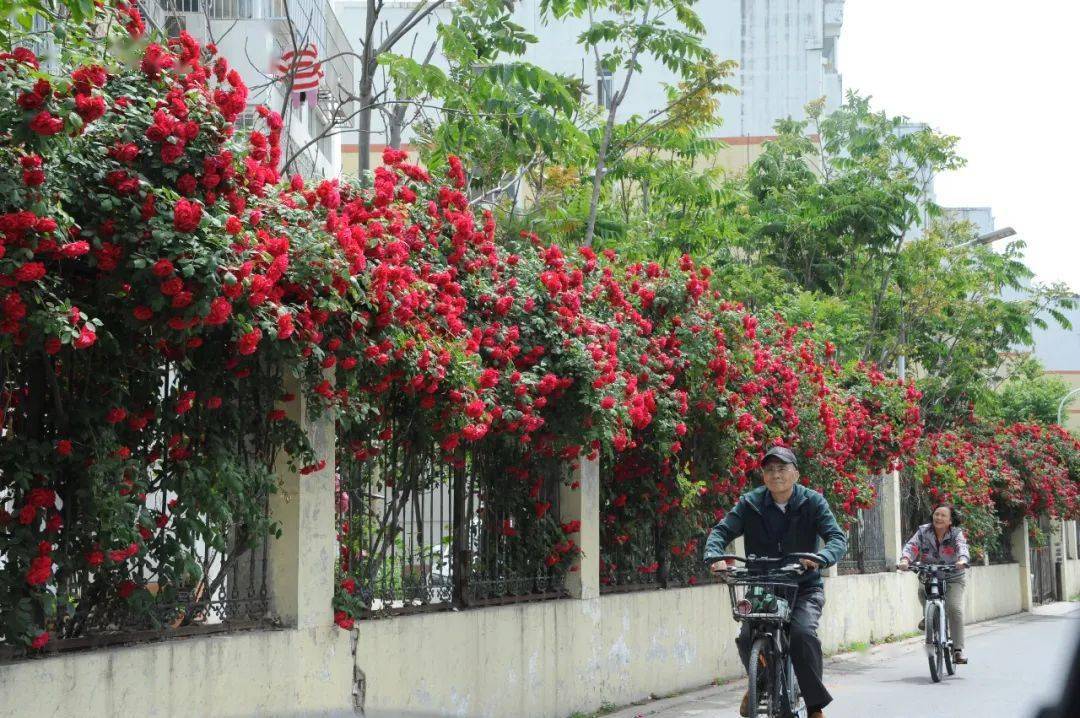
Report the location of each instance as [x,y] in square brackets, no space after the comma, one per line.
[754,599]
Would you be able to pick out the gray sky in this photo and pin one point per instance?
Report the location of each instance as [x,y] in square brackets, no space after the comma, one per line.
[1003,76]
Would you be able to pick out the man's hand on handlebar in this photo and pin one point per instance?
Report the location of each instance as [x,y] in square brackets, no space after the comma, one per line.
[720,568]
[904,565]
[809,565]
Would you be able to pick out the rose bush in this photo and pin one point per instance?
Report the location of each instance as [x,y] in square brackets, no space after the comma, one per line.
[159,282]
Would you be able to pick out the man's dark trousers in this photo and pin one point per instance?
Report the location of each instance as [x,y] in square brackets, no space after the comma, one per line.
[804,645]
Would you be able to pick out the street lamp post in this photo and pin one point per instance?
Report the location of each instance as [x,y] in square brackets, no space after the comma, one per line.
[1065,400]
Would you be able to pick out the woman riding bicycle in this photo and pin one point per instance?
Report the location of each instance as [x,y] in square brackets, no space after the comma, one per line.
[942,541]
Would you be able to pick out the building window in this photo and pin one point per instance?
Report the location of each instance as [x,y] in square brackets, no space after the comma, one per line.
[605,90]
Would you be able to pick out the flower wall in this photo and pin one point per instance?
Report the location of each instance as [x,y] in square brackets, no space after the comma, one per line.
[158,278]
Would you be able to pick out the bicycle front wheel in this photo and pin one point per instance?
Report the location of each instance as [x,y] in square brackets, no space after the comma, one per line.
[762,701]
[934,648]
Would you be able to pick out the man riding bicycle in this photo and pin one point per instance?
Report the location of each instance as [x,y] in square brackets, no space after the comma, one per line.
[779,518]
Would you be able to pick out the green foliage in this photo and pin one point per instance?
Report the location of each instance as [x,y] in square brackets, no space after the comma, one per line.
[1028,395]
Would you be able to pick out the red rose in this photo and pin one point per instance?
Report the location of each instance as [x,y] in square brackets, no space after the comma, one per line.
[52,346]
[220,310]
[343,620]
[40,640]
[172,287]
[143,313]
[45,124]
[40,570]
[95,558]
[186,184]
[41,498]
[171,152]
[186,215]
[89,108]
[285,327]
[233,225]
[32,173]
[31,100]
[213,402]
[115,415]
[349,585]
[162,268]
[27,514]
[155,60]
[63,447]
[75,249]
[249,342]
[30,272]
[87,77]
[125,588]
[124,152]
[86,338]
[23,56]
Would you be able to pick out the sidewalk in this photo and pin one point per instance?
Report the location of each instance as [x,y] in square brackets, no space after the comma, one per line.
[857,667]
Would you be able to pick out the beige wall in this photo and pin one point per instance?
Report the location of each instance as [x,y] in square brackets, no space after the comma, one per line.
[289,672]
[551,659]
[1071,576]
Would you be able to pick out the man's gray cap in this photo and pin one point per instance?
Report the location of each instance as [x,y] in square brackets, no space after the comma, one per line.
[783,453]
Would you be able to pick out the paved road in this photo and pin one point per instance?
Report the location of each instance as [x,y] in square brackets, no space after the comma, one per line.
[1017,664]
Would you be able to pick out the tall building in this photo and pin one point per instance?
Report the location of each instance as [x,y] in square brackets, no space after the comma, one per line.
[254,36]
[785,49]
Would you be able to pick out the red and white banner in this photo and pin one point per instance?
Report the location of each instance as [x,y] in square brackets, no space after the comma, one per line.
[306,71]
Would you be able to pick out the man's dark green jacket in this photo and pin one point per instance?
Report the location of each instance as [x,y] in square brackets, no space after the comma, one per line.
[809,519]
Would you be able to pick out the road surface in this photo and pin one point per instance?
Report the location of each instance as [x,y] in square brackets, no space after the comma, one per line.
[1016,665]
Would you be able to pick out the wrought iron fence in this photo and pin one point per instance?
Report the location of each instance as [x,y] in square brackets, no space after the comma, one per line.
[420,533]
[866,541]
[224,588]
[644,560]
[641,548]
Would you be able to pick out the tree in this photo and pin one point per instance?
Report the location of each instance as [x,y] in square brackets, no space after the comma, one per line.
[1028,395]
[501,115]
[620,35]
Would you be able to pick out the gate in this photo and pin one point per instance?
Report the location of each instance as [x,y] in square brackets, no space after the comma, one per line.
[1043,571]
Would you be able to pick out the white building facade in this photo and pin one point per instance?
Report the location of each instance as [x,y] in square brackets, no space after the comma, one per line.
[785,49]
[253,35]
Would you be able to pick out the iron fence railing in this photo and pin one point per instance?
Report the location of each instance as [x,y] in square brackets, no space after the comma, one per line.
[421,533]
[866,541]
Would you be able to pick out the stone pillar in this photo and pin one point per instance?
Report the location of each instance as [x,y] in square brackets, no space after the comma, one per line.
[1021,551]
[583,504]
[300,567]
[889,499]
[1070,540]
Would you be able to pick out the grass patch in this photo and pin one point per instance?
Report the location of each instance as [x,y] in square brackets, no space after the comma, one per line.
[863,646]
[605,709]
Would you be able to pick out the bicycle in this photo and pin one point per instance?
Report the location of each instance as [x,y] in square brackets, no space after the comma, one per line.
[939,646]
[763,593]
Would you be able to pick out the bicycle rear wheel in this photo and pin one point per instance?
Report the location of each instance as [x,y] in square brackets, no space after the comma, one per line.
[950,665]
[934,649]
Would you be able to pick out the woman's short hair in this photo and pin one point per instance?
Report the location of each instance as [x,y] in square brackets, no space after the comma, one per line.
[954,514]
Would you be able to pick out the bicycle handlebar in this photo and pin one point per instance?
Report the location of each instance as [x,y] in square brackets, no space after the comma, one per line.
[919,567]
[773,560]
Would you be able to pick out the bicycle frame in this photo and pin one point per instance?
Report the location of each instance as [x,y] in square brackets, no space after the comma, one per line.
[939,648]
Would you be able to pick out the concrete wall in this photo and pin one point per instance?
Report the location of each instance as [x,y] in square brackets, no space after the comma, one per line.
[551,659]
[1071,575]
[289,672]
